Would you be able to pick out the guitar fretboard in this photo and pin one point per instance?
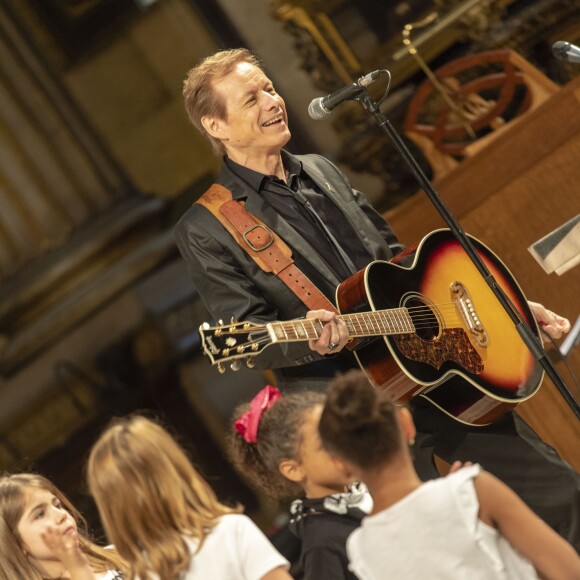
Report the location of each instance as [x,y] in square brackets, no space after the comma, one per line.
[392,321]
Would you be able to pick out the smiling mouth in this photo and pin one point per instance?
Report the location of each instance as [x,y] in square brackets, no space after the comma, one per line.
[275,121]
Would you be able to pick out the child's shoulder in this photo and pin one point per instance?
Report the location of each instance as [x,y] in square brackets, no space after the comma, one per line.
[464,474]
[235,520]
[459,484]
[234,527]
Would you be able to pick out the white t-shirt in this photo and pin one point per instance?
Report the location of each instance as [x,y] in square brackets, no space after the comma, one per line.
[236,549]
[109,575]
[435,532]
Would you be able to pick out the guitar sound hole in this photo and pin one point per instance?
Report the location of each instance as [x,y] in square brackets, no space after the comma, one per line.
[424,317]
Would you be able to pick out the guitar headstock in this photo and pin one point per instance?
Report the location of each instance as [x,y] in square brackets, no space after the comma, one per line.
[237,342]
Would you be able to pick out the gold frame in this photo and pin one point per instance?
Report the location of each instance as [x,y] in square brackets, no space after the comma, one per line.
[459,20]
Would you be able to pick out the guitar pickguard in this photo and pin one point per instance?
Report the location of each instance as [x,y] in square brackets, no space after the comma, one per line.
[452,345]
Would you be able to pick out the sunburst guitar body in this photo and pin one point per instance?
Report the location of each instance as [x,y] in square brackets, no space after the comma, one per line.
[465,354]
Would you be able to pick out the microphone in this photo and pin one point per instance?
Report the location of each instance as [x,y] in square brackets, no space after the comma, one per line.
[566,51]
[321,107]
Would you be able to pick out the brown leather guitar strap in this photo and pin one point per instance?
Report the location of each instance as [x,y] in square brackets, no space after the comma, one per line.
[267,249]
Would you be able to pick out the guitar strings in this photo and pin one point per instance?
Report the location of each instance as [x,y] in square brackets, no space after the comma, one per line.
[422,317]
[387,321]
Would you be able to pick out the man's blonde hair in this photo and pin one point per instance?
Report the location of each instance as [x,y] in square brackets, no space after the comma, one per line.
[199,93]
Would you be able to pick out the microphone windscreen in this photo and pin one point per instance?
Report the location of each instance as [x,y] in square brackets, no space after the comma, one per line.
[316,110]
[560,49]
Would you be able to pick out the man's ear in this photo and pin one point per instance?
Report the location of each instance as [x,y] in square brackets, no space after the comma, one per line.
[213,126]
[292,470]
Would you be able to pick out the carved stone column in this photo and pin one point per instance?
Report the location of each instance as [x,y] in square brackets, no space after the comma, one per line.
[73,229]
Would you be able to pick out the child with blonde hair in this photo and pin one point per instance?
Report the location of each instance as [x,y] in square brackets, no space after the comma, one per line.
[42,535]
[275,444]
[466,525]
[164,518]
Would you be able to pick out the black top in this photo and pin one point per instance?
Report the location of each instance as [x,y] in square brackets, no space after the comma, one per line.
[323,555]
[323,525]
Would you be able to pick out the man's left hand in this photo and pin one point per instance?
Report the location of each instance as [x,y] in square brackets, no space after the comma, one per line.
[334,334]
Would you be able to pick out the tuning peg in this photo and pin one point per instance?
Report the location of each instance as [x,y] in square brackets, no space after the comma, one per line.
[220,368]
[236,365]
[250,362]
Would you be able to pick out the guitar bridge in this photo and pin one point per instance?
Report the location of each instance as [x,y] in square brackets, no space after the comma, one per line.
[467,311]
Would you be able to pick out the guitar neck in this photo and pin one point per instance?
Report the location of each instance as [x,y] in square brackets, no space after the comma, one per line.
[381,322]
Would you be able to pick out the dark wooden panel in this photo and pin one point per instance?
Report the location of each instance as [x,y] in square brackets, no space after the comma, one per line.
[516,190]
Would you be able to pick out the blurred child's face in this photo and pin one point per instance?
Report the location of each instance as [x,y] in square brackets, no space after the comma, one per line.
[324,474]
[43,510]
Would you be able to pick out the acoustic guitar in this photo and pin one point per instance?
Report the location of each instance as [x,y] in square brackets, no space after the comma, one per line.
[432,329]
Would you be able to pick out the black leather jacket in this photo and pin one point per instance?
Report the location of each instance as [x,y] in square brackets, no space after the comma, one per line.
[231,284]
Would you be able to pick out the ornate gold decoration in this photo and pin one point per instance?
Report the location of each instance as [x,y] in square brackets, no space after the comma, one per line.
[325,35]
[471,25]
[444,91]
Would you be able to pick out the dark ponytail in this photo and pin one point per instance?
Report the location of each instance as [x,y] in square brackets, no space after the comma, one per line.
[359,423]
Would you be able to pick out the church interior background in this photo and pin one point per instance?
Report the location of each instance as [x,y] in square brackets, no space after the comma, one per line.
[98,317]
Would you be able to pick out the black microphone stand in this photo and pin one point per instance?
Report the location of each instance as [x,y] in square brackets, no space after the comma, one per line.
[528,336]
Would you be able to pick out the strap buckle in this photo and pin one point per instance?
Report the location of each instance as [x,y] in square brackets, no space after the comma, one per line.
[251,245]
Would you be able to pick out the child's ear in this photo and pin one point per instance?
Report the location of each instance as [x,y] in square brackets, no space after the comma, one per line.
[292,470]
[407,425]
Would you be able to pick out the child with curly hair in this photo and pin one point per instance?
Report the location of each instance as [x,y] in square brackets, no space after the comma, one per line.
[275,444]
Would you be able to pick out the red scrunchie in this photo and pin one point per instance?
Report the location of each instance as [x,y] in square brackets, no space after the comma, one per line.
[247,424]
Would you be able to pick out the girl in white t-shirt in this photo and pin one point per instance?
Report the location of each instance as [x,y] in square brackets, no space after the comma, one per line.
[42,535]
[163,517]
[466,525]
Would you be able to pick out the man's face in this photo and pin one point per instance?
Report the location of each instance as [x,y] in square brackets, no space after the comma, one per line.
[256,123]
